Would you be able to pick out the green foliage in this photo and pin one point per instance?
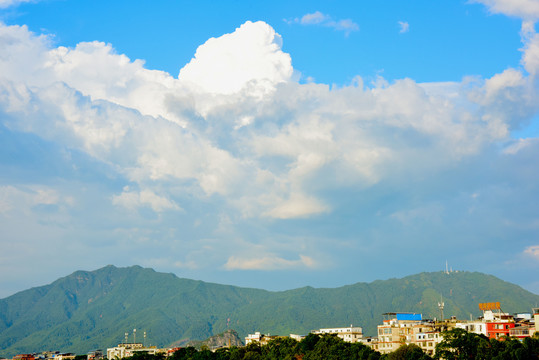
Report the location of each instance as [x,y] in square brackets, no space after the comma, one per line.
[408,352]
[459,344]
[142,355]
[326,347]
[90,310]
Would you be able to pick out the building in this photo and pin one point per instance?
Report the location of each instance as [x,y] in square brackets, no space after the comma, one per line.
[262,339]
[95,355]
[24,357]
[297,337]
[65,356]
[350,334]
[129,349]
[407,328]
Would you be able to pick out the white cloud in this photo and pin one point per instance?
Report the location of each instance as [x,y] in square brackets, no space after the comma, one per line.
[530,57]
[268,156]
[298,205]
[532,251]
[133,200]
[315,18]
[230,158]
[24,198]
[8,3]
[268,263]
[404,27]
[525,9]
[250,56]
[321,19]
[519,145]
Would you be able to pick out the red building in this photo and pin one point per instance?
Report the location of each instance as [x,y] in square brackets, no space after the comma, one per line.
[24,357]
[495,330]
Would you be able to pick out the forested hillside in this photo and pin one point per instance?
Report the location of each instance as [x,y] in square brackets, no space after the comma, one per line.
[89,310]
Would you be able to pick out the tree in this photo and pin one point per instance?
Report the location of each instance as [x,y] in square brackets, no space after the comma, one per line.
[329,347]
[284,348]
[185,353]
[308,343]
[363,352]
[460,344]
[408,352]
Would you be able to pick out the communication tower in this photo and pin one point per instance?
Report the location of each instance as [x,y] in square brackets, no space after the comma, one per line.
[441,307]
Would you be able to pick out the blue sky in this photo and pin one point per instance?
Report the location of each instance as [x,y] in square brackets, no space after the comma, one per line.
[270,145]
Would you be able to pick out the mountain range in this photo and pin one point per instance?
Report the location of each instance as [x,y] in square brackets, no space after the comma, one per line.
[90,310]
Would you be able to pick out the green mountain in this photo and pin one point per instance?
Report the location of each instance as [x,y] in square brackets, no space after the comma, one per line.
[93,310]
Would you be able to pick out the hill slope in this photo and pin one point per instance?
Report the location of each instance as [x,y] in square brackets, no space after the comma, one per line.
[89,310]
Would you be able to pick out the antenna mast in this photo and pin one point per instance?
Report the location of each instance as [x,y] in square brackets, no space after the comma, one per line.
[441,307]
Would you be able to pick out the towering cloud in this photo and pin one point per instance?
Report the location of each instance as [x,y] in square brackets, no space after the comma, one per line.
[181,168]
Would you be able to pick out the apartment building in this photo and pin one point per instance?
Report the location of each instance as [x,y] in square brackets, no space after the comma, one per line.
[129,349]
[350,334]
[407,328]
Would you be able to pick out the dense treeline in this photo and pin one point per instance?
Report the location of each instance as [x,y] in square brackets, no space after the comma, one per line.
[460,344]
[457,344]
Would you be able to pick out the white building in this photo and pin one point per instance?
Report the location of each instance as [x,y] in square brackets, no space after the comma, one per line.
[476,327]
[251,338]
[351,334]
[129,349]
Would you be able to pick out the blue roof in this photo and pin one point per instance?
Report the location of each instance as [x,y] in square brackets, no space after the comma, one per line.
[409,316]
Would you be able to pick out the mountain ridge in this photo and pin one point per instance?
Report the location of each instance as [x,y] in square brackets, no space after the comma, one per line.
[93,309]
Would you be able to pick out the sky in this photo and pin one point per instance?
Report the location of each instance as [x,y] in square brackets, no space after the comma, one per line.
[273,145]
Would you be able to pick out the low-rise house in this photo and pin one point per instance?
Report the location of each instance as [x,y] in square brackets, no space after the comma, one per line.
[262,339]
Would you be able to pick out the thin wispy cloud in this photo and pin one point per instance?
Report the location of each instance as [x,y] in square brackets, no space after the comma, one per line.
[320,19]
[4,4]
[268,263]
[404,27]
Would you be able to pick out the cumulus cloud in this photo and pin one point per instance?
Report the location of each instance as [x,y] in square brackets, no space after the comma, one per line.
[250,56]
[234,147]
[207,131]
[320,19]
[525,9]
